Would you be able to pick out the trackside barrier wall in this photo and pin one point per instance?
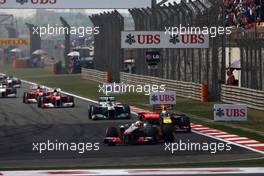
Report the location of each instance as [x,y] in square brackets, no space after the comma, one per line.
[183,89]
[93,75]
[251,97]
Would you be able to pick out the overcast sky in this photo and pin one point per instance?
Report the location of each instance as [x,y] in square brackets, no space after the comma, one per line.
[28,12]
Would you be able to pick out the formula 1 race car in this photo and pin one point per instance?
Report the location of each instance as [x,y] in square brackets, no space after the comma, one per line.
[180,122]
[55,99]
[7,92]
[109,109]
[3,77]
[10,81]
[35,92]
[148,130]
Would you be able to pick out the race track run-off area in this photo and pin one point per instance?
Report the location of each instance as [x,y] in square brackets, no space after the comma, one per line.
[21,125]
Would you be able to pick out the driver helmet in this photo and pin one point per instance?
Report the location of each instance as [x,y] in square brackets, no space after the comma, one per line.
[164,114]
[139,123]
[55,92]
[38,88]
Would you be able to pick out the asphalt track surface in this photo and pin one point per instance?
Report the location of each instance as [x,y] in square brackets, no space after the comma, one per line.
[21,125]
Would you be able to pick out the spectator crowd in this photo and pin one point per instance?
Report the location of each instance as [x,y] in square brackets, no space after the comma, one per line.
[244,13]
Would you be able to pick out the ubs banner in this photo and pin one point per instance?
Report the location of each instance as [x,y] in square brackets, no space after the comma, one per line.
[230,112]
[158,39]
[72,4]
[162,98]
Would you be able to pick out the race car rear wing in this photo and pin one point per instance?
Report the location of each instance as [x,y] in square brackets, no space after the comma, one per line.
[107,99]
[150,115]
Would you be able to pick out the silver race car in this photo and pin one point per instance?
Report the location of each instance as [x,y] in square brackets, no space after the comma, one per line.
[11,81]
[7,92]
[107,108]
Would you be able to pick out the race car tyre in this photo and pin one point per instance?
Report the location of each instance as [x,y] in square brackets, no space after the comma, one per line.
[168,133]
[127,110]
[90,112]
[25,95]
[41,101]
[71,100]
[189,129]
[186,123]
[152,132]
[112,132]
[3,94]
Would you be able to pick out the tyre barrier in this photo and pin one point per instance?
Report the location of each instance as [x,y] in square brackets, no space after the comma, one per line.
[19,63]
[204,93]
[108,77]
[54,69]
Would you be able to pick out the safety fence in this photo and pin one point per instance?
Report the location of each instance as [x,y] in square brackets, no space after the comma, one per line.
[183,89]
[251,97]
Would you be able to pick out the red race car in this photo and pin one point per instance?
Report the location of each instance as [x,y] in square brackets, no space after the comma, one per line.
[55,99]
[35,92]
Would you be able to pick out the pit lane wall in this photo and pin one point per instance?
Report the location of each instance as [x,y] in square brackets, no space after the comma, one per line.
[183,89]
[252,98]
[93,75]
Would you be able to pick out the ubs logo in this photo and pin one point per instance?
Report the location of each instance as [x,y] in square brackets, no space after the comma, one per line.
[2,1]
[142,39]
[130,39]
[44,1]
[21,1]
[35,1]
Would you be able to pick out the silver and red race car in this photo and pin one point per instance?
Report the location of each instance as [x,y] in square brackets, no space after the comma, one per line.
[7,92]
[11,81]
[148,130]
[56,99]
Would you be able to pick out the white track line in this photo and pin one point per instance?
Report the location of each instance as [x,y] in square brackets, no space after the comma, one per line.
[153,171]
[217,133]
[256,145]
[226,135]
[248,142]
[237,139]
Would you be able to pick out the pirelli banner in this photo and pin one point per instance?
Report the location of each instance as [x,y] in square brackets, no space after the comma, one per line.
[159,39]
[14,41]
